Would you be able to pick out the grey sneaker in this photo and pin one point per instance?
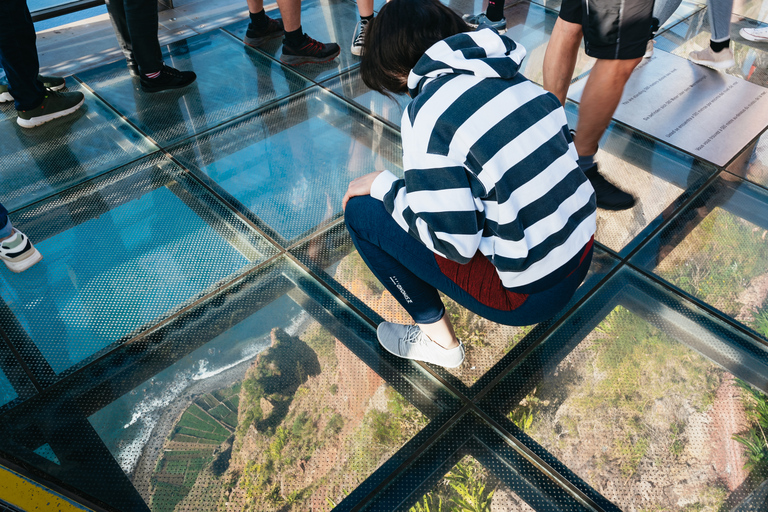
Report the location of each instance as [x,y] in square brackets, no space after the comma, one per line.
[717,60]
[759,35]
[18,253]
[53,83]
[475,20]
[55,104]
[409,342]
[359,37]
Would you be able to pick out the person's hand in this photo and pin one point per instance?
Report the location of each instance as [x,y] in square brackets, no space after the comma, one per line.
[359,187]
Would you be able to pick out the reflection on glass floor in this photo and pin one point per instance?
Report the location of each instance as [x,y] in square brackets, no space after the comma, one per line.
[200,333]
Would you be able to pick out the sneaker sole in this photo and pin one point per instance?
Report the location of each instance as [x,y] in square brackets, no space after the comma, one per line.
[298,60]
[357,51]
[165,88]
[37,121]
[714,65]
[255,42]
[5,97]
[21,266]
[750,37]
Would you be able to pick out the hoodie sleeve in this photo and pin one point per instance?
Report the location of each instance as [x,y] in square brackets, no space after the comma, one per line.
[434,202]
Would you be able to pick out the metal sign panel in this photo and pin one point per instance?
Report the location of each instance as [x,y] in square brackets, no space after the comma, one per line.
[709,114]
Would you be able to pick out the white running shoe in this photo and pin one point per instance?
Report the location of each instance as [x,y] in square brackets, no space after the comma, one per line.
[755,34]
[717,60]
[18,253]
[409,342]
[649,49]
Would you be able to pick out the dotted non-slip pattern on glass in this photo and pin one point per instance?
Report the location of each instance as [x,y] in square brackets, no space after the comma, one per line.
[200,334]
[247,81]
[50,158]
[290,164]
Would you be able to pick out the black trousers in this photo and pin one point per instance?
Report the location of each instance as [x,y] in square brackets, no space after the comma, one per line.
[18,54]
[135,23]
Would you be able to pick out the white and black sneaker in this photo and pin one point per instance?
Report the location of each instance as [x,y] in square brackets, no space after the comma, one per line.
[358,41]
[18,253]
[409,342]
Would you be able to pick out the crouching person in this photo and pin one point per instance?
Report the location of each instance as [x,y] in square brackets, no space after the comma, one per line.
[493,210]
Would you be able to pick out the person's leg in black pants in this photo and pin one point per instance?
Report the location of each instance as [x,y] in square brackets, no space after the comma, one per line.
[135,23]
[18,54]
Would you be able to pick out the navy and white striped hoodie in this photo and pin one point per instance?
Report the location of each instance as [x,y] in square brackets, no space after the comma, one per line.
[490,165]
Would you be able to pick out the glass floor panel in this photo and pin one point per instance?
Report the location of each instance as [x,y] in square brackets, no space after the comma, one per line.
[351,87]
[326,21]
[641,403]
[64,152]
[715,250]
[754,9]
[121,253]
[289,165]
[232,80]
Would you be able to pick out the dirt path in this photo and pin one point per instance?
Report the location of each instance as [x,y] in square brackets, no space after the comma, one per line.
[728,418]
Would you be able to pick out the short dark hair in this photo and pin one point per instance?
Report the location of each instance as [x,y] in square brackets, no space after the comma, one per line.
[397,38]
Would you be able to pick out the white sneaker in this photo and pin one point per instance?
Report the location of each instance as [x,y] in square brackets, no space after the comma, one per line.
[358,39]
[18,253]
[409,342]
[649,49]
[755,34]
[717,60]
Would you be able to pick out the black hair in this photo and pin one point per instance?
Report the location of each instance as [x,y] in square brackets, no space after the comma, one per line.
[397,38]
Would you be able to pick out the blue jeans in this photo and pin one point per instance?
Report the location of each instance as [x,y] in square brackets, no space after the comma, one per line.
[410,272]
[18,54]
[5,223]
[135,23]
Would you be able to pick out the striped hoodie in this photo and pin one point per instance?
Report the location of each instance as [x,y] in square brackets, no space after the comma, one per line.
[490,165]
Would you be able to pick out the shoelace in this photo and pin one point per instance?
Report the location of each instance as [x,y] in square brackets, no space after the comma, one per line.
[313,46]
[360,40]
[413,336]
[171,71]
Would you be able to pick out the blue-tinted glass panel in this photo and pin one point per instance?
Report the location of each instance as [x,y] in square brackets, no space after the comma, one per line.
[277,404]
[351,87]
[119,255]
[64,152]
[232,80]
[327,21]
[659,176]
[47,452]
[290,165]
[716,250]
[7,393]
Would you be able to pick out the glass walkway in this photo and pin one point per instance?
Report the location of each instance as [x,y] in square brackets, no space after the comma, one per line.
[200,335]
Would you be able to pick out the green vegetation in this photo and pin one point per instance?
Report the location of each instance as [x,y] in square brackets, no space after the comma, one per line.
[718,259]
[755,439]
[466,488]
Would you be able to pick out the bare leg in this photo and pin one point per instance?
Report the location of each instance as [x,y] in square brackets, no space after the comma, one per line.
[560,57]
[255,6]
[290,11]
[441,332]
[365,7]
[599,101]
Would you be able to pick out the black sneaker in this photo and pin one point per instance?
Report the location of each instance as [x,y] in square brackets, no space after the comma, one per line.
[55,104]
[256,38]
[608,195]
[310,52]
[169,78]
[133,67]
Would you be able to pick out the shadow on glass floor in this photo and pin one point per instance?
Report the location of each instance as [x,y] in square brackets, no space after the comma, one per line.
[232,80]
[637,394]
[45,160]
[270,389]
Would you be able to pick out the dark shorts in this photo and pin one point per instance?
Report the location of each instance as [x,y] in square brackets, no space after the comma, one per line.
[613,29]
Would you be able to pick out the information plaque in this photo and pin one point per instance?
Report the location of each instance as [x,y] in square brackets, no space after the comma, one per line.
[707,113]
